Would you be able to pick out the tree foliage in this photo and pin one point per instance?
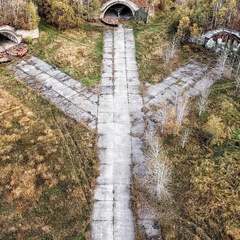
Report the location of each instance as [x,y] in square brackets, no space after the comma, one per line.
[20,14]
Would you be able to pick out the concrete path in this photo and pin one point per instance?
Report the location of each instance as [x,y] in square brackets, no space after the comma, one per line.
[119,117]
[66,93]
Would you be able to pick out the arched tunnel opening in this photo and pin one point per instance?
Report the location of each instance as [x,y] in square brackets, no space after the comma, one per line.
[119,11]
[5,42]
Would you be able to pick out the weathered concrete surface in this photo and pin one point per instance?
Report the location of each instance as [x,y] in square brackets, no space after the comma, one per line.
[66,93]
[188,81]
[120,121]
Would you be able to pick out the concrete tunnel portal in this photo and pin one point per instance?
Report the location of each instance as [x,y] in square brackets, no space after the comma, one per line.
[118,9]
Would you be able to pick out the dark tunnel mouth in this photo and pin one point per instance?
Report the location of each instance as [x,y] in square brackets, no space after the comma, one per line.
[119,11]
[5,42]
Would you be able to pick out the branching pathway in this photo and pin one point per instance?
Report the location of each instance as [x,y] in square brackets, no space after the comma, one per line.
[116,112]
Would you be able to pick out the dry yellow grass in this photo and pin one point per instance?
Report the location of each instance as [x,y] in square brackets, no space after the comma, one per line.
[76,51]
[47,167]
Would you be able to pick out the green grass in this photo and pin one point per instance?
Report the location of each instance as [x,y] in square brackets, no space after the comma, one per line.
[77,52]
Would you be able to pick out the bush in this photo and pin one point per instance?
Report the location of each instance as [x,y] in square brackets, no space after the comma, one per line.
[28,17]
[62,15]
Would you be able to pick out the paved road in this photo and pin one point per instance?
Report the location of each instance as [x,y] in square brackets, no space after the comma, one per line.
[120,117]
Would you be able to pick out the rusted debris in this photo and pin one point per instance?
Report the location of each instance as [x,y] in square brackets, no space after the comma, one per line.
[4,57]
[111,21]
[18,51]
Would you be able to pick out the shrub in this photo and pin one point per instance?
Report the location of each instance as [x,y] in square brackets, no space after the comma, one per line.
[218,129]
[28,17]
[62,15]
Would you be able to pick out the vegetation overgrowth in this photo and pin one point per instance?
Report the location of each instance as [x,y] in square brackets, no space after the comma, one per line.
[202,197]
[78,51]
[48,167]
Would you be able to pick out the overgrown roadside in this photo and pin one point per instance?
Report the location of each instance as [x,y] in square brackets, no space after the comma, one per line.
[77,52]
[48,167]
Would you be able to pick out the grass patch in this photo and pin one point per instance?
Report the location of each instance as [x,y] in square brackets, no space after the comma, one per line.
[77,52]
[205,182]
[152,40]
[48,167]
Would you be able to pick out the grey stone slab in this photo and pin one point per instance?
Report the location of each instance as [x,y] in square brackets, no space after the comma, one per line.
[106,90]
[122,174]
[135,99]
[132,67]
[43,77]
[53,71]
[61,77]
[138,129]
[102,230]
[105,128]
[67,92]
[120,88]
[121,117]
[26,67]
[107,62]
[77,99]
[122,141]
[107,74]
[106,174]
[104,117]
[22,75]
[132,74]
[120,74]
[107,81]
[21,63]
[135,108]
[104,193]
[133,81]
[120,61]
[53,96]
[106,68]
[124,229]
[89,107]
[122,194]
[106,99]
[170,80]
[103,210]
[138,156]
[74,112]
[33,72]
[105,141]
[134,89]
[118,81]
[137,143]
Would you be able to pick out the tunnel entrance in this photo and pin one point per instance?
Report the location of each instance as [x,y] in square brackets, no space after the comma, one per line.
[119,11]
[6,43]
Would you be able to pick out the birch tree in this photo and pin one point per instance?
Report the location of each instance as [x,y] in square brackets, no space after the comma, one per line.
[158,174]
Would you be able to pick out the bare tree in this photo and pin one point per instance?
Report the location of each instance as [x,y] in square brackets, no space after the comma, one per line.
[181,109]
[158,174]
[204,96]
[222,61]
[163,119]
[170,51]
[185,137]
[237,83]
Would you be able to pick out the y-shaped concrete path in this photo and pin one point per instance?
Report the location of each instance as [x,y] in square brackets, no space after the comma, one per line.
[119,107]
[117,114]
